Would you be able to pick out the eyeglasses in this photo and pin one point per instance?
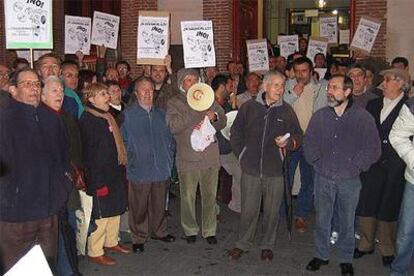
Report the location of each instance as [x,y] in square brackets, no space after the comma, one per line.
[389,78]
[29,84]
[4,75]
[334,87]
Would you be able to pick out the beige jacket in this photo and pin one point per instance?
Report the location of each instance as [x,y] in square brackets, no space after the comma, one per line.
[181,119]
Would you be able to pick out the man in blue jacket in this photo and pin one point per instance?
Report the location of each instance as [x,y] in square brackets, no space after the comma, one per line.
[150,149]
[341,141]
[33,169]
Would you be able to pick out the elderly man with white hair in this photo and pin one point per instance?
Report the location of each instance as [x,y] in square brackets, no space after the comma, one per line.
[257,139]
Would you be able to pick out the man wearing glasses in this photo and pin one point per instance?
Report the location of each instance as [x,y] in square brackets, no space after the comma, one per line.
[340,142]
[33,169]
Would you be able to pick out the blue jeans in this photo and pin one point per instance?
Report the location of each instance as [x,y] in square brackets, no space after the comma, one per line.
[346,194]
[405,235]
[64,267]
[305,197]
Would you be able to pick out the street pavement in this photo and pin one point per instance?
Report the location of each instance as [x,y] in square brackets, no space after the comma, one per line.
[180,258]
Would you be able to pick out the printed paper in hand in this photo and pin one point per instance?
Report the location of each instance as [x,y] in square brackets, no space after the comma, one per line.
[153,37]
[33,263]
[257,55]
[317,45]
[198,44]
[77,34]
[28,24]
[328,27]
[105,29]
[365,34]
[288,44]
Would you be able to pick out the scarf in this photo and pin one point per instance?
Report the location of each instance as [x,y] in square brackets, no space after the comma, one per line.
[120,147]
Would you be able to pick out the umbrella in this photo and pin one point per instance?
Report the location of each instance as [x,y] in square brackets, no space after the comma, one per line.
[287,193]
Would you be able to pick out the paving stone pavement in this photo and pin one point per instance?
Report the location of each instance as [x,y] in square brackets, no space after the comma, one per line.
[180,258]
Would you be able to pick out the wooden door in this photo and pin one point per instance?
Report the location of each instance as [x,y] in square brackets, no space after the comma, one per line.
[244,27]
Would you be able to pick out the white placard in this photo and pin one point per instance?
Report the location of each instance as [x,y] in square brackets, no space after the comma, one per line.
[321,72]
[344,36]
[28,24]
[153,35]
[328,27]
[257,55]
[105,29]
[77,34]
[317,45]
[365,34]
[288,44]
[198,44]
[33,263]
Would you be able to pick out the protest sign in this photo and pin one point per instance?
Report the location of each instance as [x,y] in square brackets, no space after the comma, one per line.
[288,44]
[328,27]
[365,34]
[28,24]
[344,36]
[198,44]
[257,55]
[317,45]
[153,37]
[105,29]
[77,34]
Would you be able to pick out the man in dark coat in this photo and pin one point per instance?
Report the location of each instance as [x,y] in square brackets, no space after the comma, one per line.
[383,184]
[34,165]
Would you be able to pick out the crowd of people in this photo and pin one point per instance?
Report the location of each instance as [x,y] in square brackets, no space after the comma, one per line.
[67,132]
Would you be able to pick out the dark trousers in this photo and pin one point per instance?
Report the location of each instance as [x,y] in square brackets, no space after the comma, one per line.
[17,238]
[146,210]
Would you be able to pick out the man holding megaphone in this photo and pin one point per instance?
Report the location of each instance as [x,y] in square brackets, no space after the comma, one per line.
[193,109]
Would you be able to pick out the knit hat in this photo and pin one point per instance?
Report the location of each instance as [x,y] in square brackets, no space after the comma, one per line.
[183,73]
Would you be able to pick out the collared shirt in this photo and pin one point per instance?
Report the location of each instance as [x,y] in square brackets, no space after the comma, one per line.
[389,105]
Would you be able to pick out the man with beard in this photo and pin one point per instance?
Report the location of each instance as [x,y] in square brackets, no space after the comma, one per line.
[163,91]
[341,141]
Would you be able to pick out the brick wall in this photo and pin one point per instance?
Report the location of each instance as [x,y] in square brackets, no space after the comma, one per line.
[6,56]
[58,27]
[128,30]
[378,10]
[220,12]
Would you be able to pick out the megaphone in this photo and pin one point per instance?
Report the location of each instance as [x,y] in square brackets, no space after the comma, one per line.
[200,97]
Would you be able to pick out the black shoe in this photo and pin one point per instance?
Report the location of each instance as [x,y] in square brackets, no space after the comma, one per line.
[387,260]
[137,247]
[346,269]
[191,239]
[168,238]
[316,263]
[358,253]
[211,240]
